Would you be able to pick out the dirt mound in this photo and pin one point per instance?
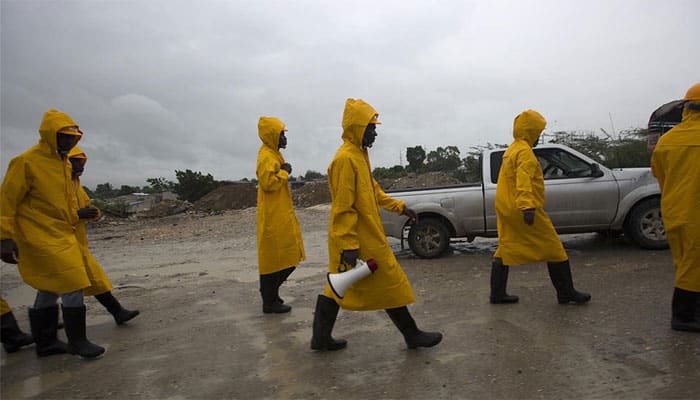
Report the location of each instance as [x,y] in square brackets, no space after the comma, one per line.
[429,179]
[311,194]
[237,195]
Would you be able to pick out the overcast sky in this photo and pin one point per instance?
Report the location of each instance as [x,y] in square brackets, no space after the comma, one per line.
[159,86]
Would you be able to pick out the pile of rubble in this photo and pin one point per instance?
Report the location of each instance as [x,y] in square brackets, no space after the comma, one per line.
[311,194]
[230,196]
[428,179]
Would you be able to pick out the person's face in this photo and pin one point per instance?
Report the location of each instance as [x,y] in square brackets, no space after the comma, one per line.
[283,141]
[369,136]
[76,166]
[65,142]
[536,141]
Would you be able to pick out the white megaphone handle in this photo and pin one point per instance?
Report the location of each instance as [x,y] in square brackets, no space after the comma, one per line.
[340,282]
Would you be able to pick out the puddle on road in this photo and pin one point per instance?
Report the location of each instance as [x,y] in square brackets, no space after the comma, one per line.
[36,385]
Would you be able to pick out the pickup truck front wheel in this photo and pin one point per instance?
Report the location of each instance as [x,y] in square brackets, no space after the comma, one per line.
[645,227]
[428,238]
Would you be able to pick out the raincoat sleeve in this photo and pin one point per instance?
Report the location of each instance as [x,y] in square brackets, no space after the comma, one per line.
[14,188]
[526,165]
[387,202]
[658,171]
[84,201]
[344,216]
[272,177]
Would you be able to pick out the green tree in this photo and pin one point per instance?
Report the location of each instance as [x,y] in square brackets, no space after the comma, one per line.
[394,172]
[126,189]
[627,150]
[192,186]
[105,191]
[311,175]
[160,184]
[415,157]
[444,159]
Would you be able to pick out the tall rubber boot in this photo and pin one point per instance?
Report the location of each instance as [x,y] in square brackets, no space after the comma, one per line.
[281,278]
[685,314]
[499,281]
[120,314]
[11,336]
[44,322]
[74,321]
[268,291]
[560,273]
[413,336]
[324,319]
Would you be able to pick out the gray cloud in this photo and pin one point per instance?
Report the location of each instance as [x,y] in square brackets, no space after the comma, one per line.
[165,85]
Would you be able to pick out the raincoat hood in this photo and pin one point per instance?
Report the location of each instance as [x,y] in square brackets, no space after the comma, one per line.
[76,152]
[53,122]
[528,126]
[269,129]
[356,116]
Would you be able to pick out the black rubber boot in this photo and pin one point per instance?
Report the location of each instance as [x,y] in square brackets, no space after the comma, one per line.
[499,280]
[560,273]
[324,319]
[685,310]
[11,336]
[74,320]
[43,322]
[120,314]
[281,278]
[413,336]
[268,291]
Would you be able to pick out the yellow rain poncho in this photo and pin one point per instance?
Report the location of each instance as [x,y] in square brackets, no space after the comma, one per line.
[521,187]
[99,283]
[38,210]
[280,245]
[4,307]
[676,164]
[355,222]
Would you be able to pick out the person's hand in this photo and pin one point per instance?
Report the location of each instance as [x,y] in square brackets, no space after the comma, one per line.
[349,257]
[529,216]
[287,167]
[410,214]
[9,251]
[88,213]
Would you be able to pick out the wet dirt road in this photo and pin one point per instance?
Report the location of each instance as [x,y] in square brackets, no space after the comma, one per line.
[201,334]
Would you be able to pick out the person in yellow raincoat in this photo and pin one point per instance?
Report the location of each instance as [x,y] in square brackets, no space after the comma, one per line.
[11,336]
[100,286]
[38,215]
[675,163]
[280,246]
[355,232]
[525,232]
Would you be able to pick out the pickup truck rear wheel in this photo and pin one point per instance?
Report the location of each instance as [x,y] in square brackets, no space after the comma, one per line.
[645,227]
[428,238]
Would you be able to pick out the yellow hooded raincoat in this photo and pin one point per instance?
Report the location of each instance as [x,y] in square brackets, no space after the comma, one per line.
[99,283]
[280,245]
[675,164]
[38,210]
[4,307]
[520,187]
[355,222]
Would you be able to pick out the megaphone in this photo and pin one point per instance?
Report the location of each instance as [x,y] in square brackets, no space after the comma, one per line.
[340,282]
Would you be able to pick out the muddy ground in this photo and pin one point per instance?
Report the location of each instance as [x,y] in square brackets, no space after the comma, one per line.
[201,333]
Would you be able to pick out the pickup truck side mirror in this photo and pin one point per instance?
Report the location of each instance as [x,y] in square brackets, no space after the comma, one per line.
[595,171]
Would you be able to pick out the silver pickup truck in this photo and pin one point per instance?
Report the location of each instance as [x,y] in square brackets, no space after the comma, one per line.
[581,196]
